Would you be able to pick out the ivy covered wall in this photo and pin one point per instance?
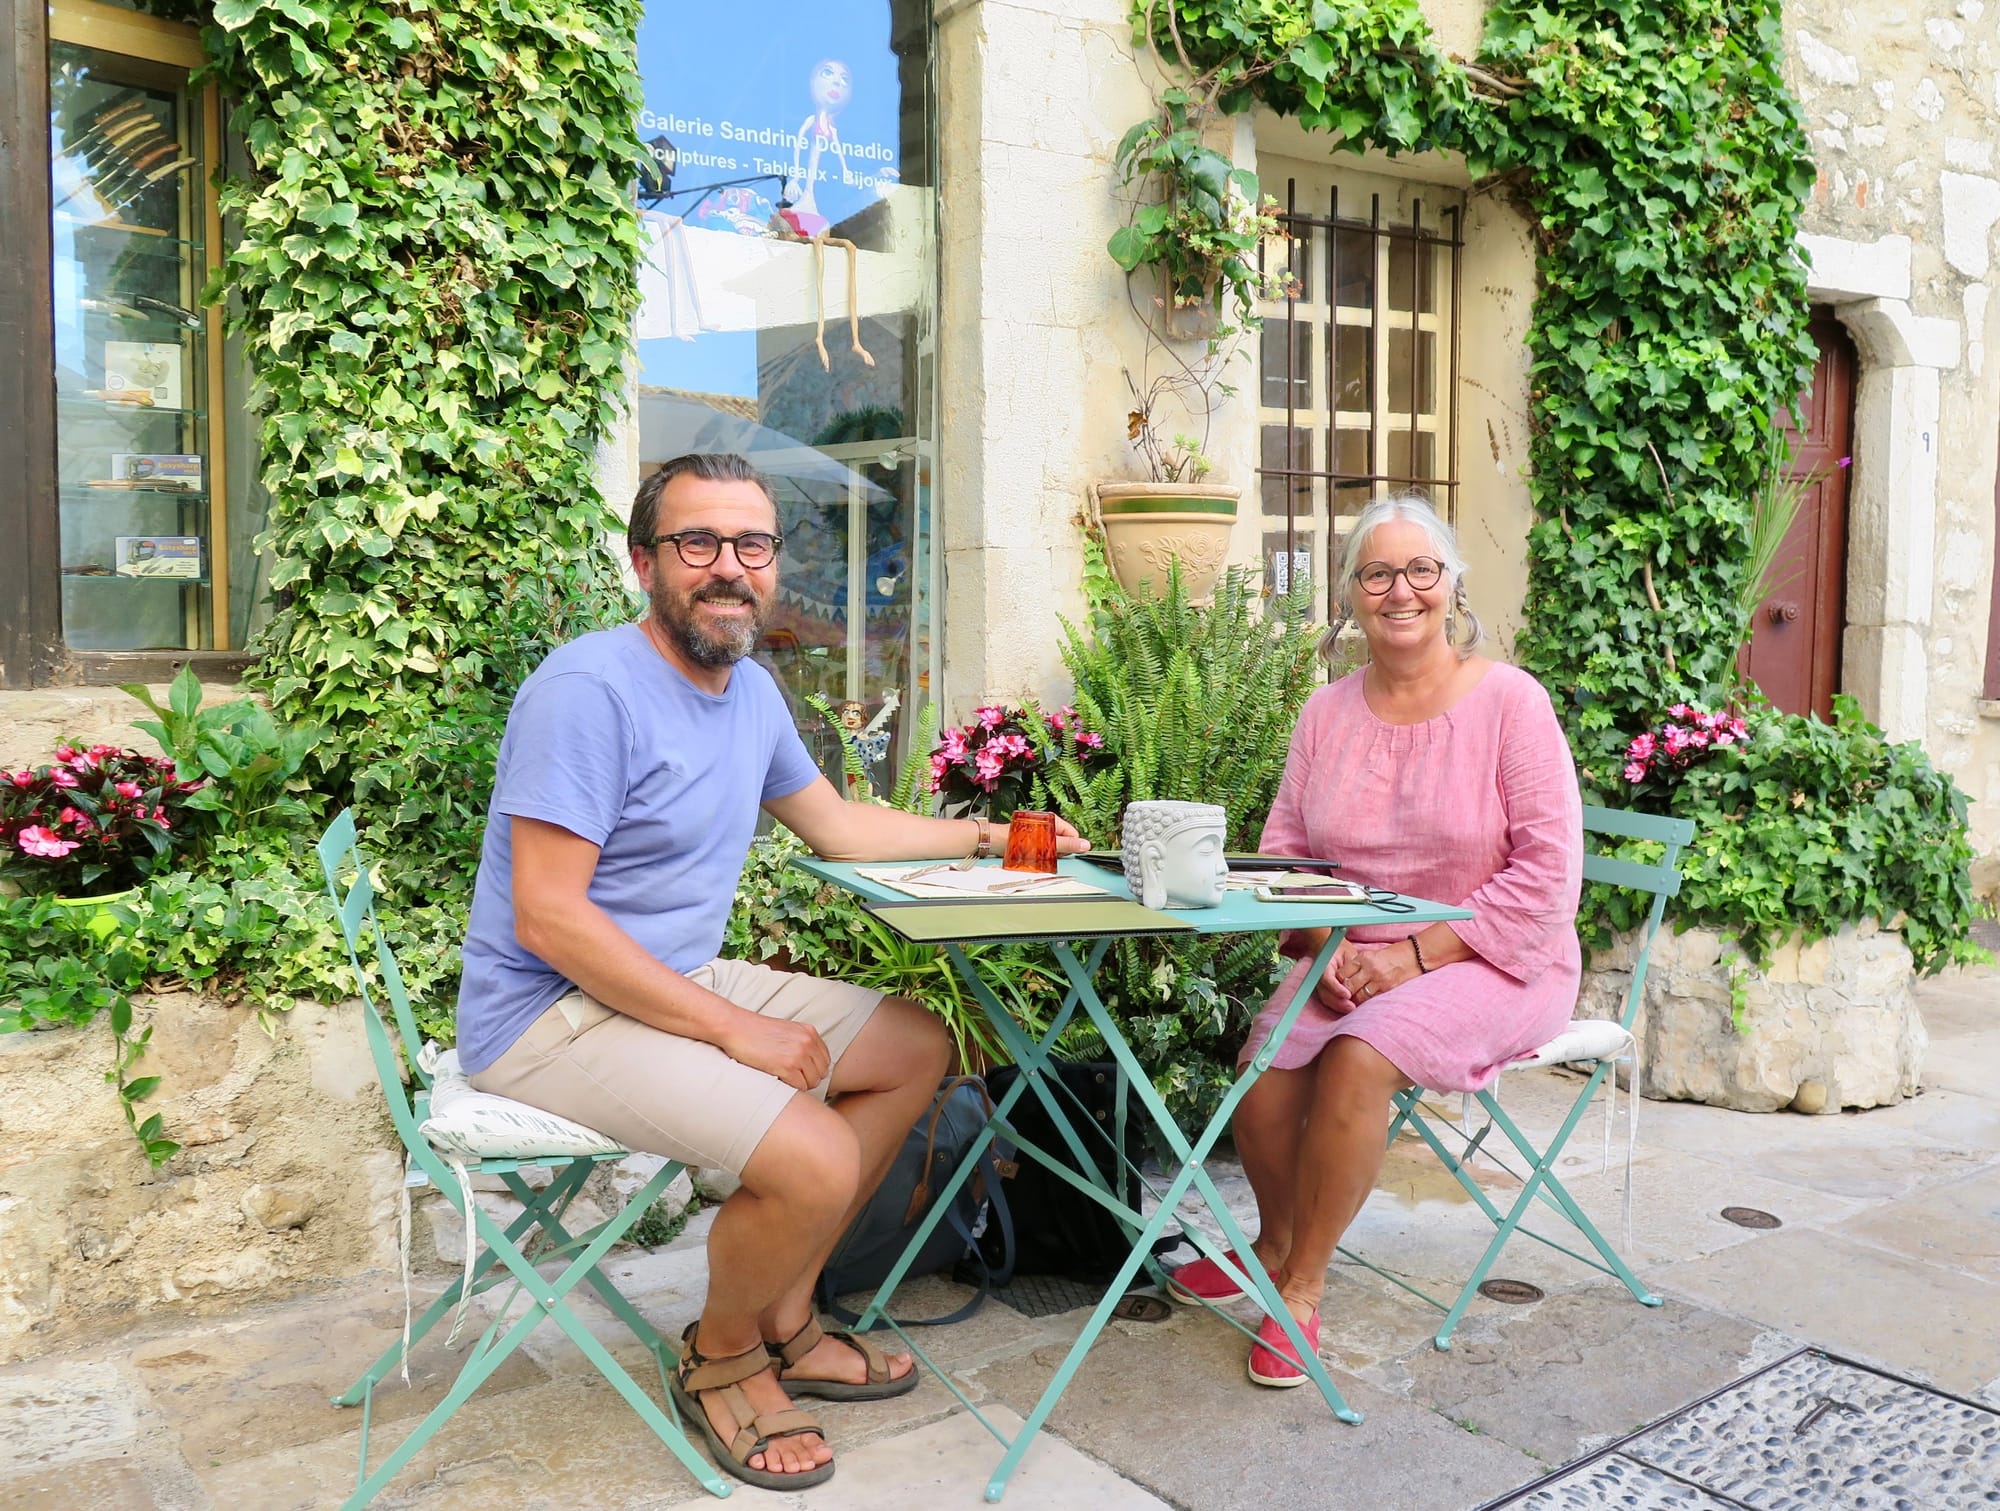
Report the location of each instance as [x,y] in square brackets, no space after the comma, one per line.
[1663,161]
[435,282]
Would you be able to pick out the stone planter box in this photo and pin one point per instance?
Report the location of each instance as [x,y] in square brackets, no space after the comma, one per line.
[1827,1025]
[290,1175]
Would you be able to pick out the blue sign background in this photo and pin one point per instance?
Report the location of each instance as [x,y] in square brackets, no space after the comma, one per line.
[731,86]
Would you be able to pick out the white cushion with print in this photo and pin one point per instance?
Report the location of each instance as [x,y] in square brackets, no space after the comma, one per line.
[478,1125]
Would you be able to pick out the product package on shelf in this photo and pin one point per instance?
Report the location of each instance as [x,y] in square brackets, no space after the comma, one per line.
[159,556]
[170,471]
[152,367]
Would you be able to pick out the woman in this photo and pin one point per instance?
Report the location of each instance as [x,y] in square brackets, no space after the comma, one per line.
[1439,773]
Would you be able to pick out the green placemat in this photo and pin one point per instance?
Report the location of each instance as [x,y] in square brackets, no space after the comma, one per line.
[927,922]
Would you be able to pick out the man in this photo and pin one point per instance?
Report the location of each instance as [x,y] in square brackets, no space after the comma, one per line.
[625,800]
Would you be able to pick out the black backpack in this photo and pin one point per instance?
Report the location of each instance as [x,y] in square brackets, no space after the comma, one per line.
[1057,1229]
[880,1232]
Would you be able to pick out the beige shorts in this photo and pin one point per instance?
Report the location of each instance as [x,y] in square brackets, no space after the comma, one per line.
[660,1092]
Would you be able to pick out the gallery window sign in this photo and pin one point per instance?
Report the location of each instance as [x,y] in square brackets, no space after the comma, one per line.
[788,303]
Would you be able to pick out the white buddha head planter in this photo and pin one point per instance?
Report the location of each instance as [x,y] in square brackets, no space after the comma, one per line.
[1173,854]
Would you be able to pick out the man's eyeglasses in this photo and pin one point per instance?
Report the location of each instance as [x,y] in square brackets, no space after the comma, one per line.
[1377,577]
[700,548]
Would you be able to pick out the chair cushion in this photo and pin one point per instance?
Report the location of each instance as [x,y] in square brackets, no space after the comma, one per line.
[1584,1039]
[479,1125]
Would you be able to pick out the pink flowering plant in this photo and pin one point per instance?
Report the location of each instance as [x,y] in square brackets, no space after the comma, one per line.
[1655,760]
[989,765]
[96,819]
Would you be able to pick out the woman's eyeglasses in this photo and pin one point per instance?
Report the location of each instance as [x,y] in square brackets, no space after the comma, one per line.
[700,548]
[1377,577]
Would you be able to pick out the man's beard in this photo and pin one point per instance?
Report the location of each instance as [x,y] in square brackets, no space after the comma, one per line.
[713,644]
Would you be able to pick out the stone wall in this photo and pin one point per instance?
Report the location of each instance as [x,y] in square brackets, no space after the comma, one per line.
[33,723]
[1827,1025]
[1903,106]
[290,1175]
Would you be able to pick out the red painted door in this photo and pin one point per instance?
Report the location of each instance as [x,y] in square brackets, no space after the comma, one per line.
[1794,651]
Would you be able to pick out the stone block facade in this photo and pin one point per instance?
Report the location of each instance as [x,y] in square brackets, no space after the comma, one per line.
[290,1175]
[1903,106]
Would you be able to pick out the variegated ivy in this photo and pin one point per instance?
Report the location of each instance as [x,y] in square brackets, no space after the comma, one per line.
[434,283]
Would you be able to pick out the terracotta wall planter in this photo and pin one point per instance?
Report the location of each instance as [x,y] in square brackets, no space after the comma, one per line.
[1149,526]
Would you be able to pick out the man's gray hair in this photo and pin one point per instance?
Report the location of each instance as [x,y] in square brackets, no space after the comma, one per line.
[1463,627]
[710,466]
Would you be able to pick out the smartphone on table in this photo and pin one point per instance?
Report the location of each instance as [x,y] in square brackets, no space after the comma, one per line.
[1319,891]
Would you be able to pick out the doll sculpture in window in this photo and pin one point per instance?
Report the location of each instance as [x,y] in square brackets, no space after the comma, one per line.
[868,738]
[1173,853]
[798,217]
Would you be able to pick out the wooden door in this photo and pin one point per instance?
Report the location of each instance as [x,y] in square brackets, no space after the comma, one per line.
[1794,651]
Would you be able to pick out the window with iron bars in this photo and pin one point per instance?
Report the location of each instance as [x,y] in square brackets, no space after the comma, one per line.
[1358,369]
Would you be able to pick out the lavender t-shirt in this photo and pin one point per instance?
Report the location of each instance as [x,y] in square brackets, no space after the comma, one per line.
[612,743]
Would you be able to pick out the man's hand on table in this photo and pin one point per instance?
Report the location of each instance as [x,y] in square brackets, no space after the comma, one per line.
[1068,840]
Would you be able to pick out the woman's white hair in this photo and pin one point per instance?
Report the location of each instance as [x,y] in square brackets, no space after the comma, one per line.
[1462,628]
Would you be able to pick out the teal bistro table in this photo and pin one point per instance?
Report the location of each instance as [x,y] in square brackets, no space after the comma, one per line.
[1080,931]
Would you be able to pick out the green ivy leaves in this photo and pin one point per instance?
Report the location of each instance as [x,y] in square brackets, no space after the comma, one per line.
[1665,163]
[434,285]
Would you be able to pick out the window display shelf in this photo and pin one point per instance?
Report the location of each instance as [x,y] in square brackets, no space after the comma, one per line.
[155,582]
[141,310]
[119,406]
[134,229]
[148,236]
[79,493]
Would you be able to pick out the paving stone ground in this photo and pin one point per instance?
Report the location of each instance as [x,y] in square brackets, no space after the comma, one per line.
[1888,1253]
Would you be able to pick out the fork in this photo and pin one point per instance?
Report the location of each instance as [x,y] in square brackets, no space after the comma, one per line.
[963,863]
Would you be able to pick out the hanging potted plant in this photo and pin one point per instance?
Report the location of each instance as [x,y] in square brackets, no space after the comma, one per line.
[89,827]
[1197,234]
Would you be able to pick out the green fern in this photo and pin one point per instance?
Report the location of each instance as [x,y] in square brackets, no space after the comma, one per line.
[1196,704]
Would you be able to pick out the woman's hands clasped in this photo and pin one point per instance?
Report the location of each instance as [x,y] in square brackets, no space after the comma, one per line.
[1357,975]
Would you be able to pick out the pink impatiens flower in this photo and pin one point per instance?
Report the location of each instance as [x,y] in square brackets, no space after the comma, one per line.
[1090,740]
[989,717]
[127,789]
[36,840]
[1635,771]
[62,777]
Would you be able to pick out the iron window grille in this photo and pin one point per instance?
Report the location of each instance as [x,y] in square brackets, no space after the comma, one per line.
[1358,371]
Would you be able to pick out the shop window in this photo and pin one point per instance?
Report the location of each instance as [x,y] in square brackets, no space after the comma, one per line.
[789,307]
[1358,370]
[151,558]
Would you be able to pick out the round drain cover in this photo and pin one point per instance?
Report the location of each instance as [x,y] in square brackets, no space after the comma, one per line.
[1750,1217]
[1513,1292]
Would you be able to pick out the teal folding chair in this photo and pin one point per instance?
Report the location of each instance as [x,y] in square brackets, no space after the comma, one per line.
[1587,1040]
[503,1251]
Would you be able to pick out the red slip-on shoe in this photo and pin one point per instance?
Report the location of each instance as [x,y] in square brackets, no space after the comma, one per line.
[1272,1360]
[1203,1279]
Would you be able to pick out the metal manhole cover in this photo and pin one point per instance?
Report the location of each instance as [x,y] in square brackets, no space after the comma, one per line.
[1513,1292]
[1812,1430]
[1046,1295]
[1751,1217]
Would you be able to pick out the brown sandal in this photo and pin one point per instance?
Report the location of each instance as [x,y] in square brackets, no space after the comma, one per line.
[696,1376]
[880,1386]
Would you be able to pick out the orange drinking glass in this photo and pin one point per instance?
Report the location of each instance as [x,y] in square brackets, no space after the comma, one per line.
[1031,842]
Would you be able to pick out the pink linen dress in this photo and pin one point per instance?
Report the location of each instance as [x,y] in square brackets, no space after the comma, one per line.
[1477,806]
